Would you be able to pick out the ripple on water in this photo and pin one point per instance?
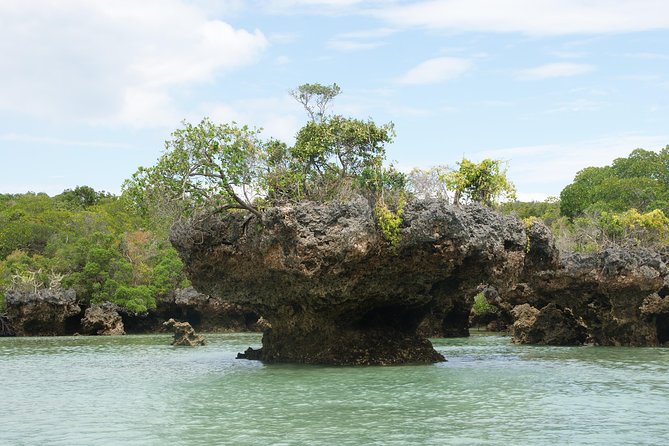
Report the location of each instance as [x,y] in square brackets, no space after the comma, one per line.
[140,390]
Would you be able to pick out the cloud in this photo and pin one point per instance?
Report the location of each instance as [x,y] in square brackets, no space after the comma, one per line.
[555,70]
[113,62]
[360,40]
[534,17]
[436,70]
[317,7]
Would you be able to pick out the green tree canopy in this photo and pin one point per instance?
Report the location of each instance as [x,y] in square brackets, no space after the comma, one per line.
[217,166]
[485,182]
[639,181]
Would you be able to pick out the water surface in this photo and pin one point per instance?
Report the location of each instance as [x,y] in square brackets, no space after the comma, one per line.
[139,390]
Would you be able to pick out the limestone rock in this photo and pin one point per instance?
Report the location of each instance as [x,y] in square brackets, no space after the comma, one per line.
[102,320]
[335,291]
[184,333]
[606,290]
[549,326]
[45,312]
[203,312]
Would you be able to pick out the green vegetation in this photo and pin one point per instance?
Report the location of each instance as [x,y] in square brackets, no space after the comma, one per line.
[484,182]
[640,181]
[482,307]
[87,240]
[624,204]
[209,167]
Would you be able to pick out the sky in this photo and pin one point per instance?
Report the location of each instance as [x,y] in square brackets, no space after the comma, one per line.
[91,89]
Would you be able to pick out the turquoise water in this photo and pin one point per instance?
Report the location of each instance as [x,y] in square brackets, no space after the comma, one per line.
[139,390]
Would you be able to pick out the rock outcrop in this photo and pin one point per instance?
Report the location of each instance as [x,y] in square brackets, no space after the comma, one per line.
[618,295]
[102,320]
[184,334]
[551,326]
[203,312]
[6,328]
[44,312]
[336,292]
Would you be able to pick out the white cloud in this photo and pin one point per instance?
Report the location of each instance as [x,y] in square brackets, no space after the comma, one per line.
[535,17]
[555,70]
[436,70]
[112,62]
[360,40]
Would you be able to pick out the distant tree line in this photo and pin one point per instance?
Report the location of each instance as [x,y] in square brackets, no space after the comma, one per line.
[91,241]
[622,204]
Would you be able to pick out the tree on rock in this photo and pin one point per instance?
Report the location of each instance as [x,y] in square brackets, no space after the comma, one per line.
[217,166]
[485,182]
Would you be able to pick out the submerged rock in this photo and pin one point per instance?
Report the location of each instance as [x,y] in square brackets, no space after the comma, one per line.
[184,334]
[46,312]
[102,319]
[335,291]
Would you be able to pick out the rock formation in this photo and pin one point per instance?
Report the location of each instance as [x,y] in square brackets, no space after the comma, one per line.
[6,328]
[183,333]
[551,326]
[617,295]
[204,313]
[44,312]
[102,319]
[335,291]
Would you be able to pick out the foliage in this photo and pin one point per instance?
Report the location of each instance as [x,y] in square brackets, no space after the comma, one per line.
[547,210]
[214,166]
[330,155]
[390,221]
[482,307]
[218,167]
[81,197]
[484,183]
[639,181]
[101,249]
[315,98]
[633,227]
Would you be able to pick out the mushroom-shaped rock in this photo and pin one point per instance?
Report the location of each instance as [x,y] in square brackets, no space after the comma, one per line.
[332,287]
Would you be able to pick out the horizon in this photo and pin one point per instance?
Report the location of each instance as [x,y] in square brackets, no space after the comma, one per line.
[90,90]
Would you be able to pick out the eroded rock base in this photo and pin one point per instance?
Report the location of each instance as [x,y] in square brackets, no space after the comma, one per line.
[344,348]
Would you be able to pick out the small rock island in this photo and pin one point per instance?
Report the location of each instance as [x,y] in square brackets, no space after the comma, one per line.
[336,292]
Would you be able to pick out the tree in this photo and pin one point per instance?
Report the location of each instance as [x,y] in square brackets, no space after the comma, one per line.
[639,181]
[81,197]
[213,166]
[428,183]
[332,153]
[315,98]
[485,182]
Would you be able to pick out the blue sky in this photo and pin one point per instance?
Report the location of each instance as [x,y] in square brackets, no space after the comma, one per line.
[90,90]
